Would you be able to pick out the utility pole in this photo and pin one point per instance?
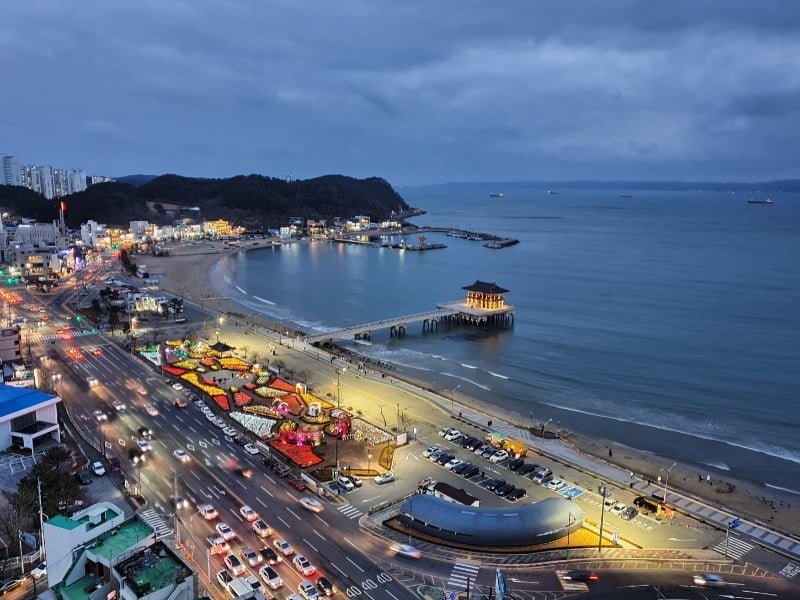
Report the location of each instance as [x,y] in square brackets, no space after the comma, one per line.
[41,514]
[603,491]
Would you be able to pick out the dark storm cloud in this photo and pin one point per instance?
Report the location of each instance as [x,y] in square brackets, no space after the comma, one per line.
[413,91]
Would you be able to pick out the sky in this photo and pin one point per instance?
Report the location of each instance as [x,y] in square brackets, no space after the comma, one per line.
[414,91]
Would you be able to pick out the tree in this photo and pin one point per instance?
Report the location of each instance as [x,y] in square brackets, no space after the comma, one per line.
[95,305]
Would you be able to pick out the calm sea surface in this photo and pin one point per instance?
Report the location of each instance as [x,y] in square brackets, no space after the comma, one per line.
[668,321]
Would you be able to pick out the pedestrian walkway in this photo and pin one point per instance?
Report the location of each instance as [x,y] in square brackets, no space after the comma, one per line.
[155,521]
[570,586]
[462,576]
[50,337]
[349,511]
[737,548]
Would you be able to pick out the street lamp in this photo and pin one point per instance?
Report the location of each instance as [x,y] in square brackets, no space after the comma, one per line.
[569,526]
[453,399]
[369,463]
[603,491]
[666,480]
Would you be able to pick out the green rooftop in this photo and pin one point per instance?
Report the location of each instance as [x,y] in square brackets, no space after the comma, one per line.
[127,535]
[156,575]
[80,590]
[63,522]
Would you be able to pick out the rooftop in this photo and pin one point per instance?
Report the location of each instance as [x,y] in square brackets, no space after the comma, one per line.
[81,589]
[14,399]
[118,540]
[485,287]
[153,569]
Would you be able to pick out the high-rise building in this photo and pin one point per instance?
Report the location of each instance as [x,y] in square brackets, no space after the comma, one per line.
[12,171]
[46,181]
[95,179]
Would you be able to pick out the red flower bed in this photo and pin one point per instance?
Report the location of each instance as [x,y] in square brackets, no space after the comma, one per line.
[293,403]
[302,456]
[241,399]
[222,402]
[249,386]
[208,362]
[277,383]
[174,370]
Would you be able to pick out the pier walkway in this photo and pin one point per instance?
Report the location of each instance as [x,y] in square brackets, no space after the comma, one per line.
[365,328]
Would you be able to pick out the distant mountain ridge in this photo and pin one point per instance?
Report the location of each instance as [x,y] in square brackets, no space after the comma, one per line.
[255,201]
[136,180]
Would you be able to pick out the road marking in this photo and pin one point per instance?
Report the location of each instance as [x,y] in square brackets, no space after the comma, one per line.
[270,478]
[320,536]
[261,502]
[280,518]
[294,514]
[354,564]
[192,428]
[392,595]
[310,545]
[175,427]
[292,496]
[267,491]
[206,454]
[338,569]
[324,522]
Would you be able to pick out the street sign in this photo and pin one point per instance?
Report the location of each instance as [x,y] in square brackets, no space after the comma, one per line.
[735,523]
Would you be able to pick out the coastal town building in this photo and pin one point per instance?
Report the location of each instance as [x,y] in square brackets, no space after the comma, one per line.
[91,233]
[98,553]
[27,417]
[95,179]
[11,173]
[485,296]
[10,345]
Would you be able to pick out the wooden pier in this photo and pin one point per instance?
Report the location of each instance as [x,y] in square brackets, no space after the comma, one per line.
[484,306]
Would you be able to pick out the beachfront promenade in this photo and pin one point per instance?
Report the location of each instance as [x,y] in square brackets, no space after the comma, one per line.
[393,323]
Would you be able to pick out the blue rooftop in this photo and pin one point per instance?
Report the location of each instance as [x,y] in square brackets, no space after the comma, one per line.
[14,399]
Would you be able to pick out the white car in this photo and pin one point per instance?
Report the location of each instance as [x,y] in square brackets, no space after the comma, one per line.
[200,404]
[92,381]
[250,449]
[229,431]
[252,557]
[144,445]
[619,508]
[453,435]
[248,514]
[151,410]
[609,503]
[177,386]
[219,422]
[261,528]
[709,580]
[207,511]
[444,431]
[555,484]
[344,482]
[453,463]
[234,564]
[308,591]
[254,583]
[181,455]
[98,469]
[303,564]
[384,478]
[284,547]
[119,405]
[269,575]
[225,531]
[100,416]
[405,550]
[429,451]
[39,570]
[311,504]
[499,456]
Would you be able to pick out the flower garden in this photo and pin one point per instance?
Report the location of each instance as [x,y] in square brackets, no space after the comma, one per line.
[285,416]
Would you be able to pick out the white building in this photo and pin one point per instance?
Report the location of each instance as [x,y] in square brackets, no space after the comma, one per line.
[26,416]
[9,345]
[91,231]
[95,179]
[11,173]
[139,228]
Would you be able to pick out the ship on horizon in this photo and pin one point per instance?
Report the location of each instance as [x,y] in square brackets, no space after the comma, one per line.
[757,201]
[496,195]
[554,192]
[624,195]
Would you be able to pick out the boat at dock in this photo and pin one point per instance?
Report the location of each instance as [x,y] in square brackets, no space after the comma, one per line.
[757,201]
[457,234]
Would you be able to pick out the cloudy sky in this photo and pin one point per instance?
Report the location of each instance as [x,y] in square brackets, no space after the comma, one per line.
[414,91]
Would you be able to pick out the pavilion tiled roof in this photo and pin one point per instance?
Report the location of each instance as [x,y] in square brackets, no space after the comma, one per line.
[485,287]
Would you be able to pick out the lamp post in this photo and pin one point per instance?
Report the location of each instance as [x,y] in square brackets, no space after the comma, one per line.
[369,463]
[603,491]
[569,525]
[453,399]
[666,480]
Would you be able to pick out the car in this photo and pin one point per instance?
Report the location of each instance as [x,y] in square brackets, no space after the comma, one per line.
[269,575]
[198,403]
[181,455]
[483,448]
[356,480]
[609,502]
[151,410]
[430,450]
[252,557]
[96,352]
[311,504]
[283,547]
[100,416]
[543,475]
[493,484]
[179,502]
[83,477]
[444,458]
[405,550]
[136,456]
[345,484]
[473,444]
[244,471]
[177,386]
[225,531]
[259,526]
[180,403]
[444,431]
[526,469]
[516,494]
[92,381]
[307,590]
[207,511]
[229,431]
[499,456]
[297,484]
[118,405]
[281,470]
[470,472]
[141,391]
[383,478]
[453,435]
[488,452]
[219,422]
[303,564]
[144,445]
[218,545]
[582,575]
[39,570]
[434,456]
[270,556]
[251,449]
[515,464]
[234,564]
[629,513]
[145,432]
[253,582]
[466,441]
[224,577]
[248,514]
[98,468]
[619,508]
[709,580]
[555,484]
[325,586]
[458,469]
[504,490]
[9,584]
[453,463]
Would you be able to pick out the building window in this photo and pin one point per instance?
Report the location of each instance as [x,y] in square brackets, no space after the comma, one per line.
[23,421]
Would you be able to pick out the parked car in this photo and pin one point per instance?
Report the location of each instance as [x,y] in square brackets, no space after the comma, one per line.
[453,463]
[488,452]
[515,464]
[98,468]
[430,450]
[269,575]
[526,469]
[493,484]
[619,508]
[470,472]
[298,484]
[453,435]
[498,456]
[39,570]
[629,513]
[435,454]
[356,480]
[345,484]
[459,469]
[516,494]
[444,431]
[83,477]
[555,484]
[444,458]
[504,490]
[178,387]
[387,477]
[543,475]
[180,403]
[251,449]
[405,550]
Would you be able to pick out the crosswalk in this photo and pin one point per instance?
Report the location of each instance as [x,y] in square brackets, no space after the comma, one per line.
[737,547]
[350,511]
[568,585]
[462,573]
[49,337]
[155,521]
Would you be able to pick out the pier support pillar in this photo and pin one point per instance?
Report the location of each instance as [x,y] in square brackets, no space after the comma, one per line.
[401,331]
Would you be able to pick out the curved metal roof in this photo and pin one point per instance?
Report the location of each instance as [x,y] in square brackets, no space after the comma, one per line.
[523,525]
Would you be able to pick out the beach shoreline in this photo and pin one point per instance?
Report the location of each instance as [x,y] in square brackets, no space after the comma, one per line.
[189,274]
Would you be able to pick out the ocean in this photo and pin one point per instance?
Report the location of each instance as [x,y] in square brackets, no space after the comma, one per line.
[667,321]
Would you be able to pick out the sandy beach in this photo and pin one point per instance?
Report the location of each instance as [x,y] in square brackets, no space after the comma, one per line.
[187,273]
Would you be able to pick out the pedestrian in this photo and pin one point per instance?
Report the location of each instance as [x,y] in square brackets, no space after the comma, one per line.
[699,478]
[610,454]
